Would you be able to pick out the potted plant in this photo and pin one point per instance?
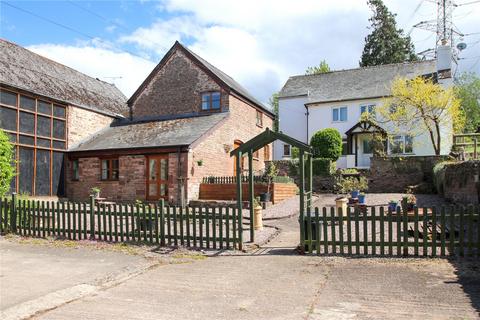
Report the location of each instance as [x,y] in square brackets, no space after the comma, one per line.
[200,162]
[409,202]
[361,198]
[95,192]
[392,205]
[270,172]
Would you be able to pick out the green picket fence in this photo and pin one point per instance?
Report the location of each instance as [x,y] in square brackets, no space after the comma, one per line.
[438,231]
[200,227]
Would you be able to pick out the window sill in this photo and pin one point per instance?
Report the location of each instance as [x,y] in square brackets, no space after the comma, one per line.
[339,121]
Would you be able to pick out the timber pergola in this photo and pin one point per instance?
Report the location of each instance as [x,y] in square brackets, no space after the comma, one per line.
[258,142]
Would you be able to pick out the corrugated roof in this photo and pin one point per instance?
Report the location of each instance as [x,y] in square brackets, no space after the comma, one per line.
[354,83]
[165,133]
[27,70]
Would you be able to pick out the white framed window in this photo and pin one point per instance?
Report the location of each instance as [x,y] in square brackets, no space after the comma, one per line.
[401,144]
[370,108]
[339,114]
[286,150]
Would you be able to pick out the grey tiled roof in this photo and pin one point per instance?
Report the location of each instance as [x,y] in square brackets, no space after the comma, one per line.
[165,133]
[354,83]
[24,69]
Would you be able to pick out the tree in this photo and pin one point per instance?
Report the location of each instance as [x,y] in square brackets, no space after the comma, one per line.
[327,143]
[274,105]
[467,89]
[420,105]
[385,44]
[323,67]
[7,171]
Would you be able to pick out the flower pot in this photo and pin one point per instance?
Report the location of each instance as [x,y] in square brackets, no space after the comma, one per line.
[392,206]
[361,199]
[355,193]
[265,197]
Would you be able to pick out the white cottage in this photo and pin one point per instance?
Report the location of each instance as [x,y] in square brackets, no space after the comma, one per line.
[309,103]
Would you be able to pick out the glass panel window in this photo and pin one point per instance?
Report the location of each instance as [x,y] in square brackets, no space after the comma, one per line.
[59,145]
[8,119]
[8,98]
[211,101]
[27,122]
[44,107]
[153,169]
[344,148]
[58,129]
[59,111]
[109,169]
[27,103]
[43,126]
[339,114]
[164,169]
[27,140]
[45,143]
[401,144]
[75,170]
[152,189]
[367,146]
[163,190]
[259,119]
[370,108]
[286,150]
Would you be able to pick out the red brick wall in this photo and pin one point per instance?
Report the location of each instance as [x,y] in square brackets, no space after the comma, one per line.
[131,184]
[280,191]
[214,150]
[176,89]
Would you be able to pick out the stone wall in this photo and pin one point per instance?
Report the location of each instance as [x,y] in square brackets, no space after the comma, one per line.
[397,174]
[461,183]
[176,89]
[82,123]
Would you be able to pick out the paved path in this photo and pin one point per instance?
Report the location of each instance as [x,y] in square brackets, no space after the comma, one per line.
[273,282]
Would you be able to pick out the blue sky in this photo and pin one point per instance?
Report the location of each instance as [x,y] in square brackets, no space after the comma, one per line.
[259,43]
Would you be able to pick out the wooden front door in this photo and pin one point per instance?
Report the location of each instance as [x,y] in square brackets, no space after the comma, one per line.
[157,177]
[236,144]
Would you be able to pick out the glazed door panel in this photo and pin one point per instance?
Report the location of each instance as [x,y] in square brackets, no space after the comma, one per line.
[157,177]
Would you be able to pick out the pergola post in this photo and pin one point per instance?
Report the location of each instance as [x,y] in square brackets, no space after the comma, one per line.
[310,181]
[239,199]
[302,198]
[251,193]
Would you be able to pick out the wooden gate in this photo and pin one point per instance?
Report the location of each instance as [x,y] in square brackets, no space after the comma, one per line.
[437,231]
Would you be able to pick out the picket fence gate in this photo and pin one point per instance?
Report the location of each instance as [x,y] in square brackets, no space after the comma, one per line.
[437,231]
[201,227]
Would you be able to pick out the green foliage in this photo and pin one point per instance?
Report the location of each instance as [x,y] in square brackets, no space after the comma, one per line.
[349,184]
[467,89]
[323,167]
[327,143]
[349,171]
[385,44]
[274,105]
[323,67]
[7,171]
[282,179]
[295,153]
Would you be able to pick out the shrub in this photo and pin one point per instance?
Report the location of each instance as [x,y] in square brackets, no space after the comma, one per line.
[347,185]
[439,176]
[7,171]
[327,143]
[323,167]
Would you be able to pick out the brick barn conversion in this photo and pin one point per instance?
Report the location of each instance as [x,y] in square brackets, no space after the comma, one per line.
[178,127]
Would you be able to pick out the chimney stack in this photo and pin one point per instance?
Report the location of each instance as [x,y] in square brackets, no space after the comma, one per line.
[444,64]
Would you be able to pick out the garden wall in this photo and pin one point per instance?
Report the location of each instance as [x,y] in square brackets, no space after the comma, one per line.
[397,174]
[228,191]
[461,183]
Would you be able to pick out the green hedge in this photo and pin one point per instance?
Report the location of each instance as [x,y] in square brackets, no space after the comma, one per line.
[323,167]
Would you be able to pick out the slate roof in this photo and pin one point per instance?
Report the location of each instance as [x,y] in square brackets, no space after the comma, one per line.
[217,73]
[164,133]
[354,84]
[24,69]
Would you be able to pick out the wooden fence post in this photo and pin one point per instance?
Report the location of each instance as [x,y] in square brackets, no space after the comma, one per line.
[162,222]
[92,218]
[13,213]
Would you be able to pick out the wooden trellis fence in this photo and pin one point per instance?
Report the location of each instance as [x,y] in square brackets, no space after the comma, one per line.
[200,227]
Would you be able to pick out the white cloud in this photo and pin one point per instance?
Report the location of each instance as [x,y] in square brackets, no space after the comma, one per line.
[102,63]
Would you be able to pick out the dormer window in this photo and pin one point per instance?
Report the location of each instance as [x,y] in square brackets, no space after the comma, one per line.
[211,101]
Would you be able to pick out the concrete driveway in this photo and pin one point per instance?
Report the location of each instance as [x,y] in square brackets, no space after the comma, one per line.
[274,283]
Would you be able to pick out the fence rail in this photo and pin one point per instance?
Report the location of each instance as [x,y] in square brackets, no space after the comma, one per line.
[428,232]
[200,227]
[469,142]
